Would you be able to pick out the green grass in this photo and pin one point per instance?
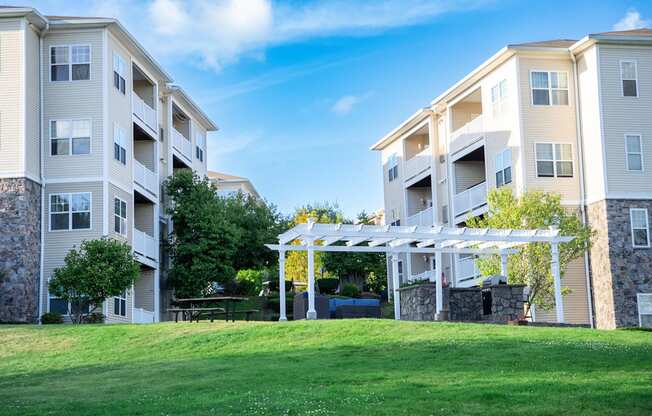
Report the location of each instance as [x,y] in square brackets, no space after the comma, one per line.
[356,367]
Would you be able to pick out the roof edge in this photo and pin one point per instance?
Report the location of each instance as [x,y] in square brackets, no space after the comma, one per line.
[176,90]
[391,136]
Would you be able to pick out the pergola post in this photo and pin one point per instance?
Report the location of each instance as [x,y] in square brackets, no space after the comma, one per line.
[503,264]
[281,285]
[395,285]
[312,313]
[439,294]
[556,275]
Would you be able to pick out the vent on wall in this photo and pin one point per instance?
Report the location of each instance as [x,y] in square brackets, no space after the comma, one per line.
[442,158]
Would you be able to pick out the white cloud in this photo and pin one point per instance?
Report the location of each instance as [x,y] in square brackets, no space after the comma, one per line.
[345,104]
[631,20]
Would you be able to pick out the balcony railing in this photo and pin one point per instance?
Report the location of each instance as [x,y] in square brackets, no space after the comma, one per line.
[427,275]
[470,130]
[142,316]
[183,145]
[144,112]
[418,163]
[466,272]
[145,245]
[470,199]
[421,218]
[145,178]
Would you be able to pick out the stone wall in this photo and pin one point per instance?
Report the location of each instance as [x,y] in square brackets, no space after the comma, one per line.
[618,271]
[506,302]
[20,248]
[418,302]
[465,304]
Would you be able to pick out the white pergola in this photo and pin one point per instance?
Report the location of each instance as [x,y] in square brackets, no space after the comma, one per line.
[395,240]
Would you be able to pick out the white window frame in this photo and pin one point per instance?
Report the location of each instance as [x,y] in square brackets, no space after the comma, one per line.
[503,166]
[120,139]
[647,229]
[200,150]
[70,211]
[638,307]
[392,170]
[68,309]
[499,96]
[554,160]
[550,89]
[121,297]
[118,219]
[70,63]
[640,152]
[120,68]
[70,138]
[622,86]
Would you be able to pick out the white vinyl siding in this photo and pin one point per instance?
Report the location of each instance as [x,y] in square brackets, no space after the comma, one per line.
[70,63]
[638,220]
[12,82]
[70,211]
[549,87]
[629,77]
[634,152]
[70,137]
[554,160]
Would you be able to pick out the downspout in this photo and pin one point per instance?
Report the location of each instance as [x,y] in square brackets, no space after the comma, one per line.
[580,158]
[42,175]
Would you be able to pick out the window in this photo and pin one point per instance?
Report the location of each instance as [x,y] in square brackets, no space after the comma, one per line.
[503,168]
[400,270]
[634,150]
[120,216]
[396,223]
[644,302]
[498,96]
[640,229]
[70,211]
[119,145]
[70,62]
[549,88]
[200,146]
[629,78]
[554,159]
[119,73]
[63,307]
[120,304]
[392,168]
[70,137]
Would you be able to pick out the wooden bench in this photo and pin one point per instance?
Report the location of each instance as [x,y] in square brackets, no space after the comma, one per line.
[247,312]
[195,313]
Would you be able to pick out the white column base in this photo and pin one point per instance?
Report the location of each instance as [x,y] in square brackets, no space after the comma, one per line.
[311,315]
[282,319]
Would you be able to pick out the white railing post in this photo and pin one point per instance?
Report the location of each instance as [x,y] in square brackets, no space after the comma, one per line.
[312,313]
[556,274]
[395,284]
[281,286]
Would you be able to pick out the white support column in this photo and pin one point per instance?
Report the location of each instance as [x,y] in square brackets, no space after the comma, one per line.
[312,313]
[556,275]
[395,286]
[503,264]
[281,286]
[439,295]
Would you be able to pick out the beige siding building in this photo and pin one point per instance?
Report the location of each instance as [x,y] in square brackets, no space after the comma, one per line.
[90,127]
[560,116]
[228,185]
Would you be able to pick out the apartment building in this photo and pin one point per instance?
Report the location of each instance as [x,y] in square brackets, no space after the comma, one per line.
[228,185]
[90,127]
[563,116]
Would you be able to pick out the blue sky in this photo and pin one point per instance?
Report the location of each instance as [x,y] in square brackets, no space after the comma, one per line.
[301,89]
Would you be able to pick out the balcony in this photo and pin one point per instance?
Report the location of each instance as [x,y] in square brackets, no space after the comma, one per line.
[470,199]
[145,178]
[182,145]
[418,163]
[471,130]
[145,245]
[428,275]
[466,272]
[423,218]
[144,112]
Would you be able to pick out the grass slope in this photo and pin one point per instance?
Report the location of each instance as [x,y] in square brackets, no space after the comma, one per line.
[376,367]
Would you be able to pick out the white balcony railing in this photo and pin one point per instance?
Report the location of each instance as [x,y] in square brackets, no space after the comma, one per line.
[466,272]
[427,275]
[145,245]
[142,316]
[183,145]
[418,163]
[472,128]
[144,112]
[470,199]
[145,178]
[421,218]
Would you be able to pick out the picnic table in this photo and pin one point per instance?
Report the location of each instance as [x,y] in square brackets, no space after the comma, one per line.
[194,308]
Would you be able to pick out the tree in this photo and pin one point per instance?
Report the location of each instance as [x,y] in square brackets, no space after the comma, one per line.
[204,241]
[531,266]
[100,269]
[296,264]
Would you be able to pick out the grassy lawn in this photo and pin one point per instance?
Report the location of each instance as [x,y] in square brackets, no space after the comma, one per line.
[375,367]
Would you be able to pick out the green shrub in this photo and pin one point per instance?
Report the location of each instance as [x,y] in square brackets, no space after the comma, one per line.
[51,318]
[328,286]
[94,318]
[250,282]
[350,290]
[273,285]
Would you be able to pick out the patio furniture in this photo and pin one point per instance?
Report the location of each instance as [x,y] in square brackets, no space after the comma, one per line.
[195,308]
[301,306]
[354,308]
